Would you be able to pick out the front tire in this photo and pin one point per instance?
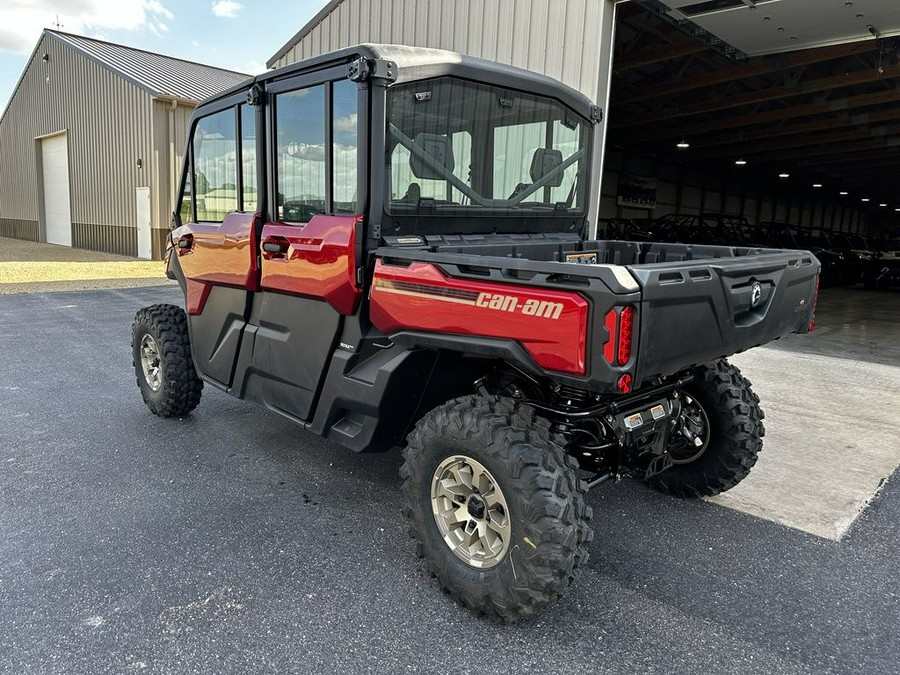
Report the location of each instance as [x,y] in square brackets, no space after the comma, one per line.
[721,403]
[161,351]
[495,506]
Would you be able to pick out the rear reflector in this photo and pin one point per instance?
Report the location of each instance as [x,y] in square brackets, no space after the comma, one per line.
[624,383]
[626,332]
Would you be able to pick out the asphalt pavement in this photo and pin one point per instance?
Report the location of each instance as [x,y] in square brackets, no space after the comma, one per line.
[232,541]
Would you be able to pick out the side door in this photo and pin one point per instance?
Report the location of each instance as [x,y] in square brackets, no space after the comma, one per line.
[308,258]
[215,244]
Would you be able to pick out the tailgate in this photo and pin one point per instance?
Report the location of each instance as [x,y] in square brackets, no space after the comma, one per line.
[698,310]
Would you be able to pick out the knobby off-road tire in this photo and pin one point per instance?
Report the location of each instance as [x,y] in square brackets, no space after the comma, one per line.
[734,435]
[538,504]
[161,350]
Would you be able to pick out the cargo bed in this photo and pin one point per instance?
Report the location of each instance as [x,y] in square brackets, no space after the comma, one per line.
[742,297]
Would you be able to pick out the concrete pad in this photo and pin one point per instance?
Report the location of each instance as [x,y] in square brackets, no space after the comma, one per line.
[832,439]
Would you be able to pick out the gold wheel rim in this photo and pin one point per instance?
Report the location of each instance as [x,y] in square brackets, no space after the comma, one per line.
[150,362]
[470,511]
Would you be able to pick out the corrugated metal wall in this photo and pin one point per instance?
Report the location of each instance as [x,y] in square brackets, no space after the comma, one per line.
[170,128]
[108,121]
[560,38]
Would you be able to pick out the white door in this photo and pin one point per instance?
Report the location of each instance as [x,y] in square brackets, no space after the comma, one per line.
[55,163]
[142,209]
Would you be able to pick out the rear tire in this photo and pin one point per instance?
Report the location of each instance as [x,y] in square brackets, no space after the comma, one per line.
[533,516]
[735,432]
[161,351]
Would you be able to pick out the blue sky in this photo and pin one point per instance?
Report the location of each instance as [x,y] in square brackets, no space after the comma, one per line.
[234,34]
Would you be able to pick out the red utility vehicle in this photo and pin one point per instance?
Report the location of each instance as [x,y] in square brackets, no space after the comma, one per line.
[387,245]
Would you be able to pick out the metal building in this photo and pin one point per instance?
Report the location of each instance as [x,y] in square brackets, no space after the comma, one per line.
[569,40]
[656,66]
[92,140]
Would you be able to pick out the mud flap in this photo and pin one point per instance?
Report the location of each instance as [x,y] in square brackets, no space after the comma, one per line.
[658,464]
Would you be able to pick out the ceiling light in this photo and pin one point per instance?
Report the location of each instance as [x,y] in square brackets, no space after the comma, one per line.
[740,162]
[844,193]
[882,205]
[864,199]
[817,185]
[784,175]
[897,209]
[683,144]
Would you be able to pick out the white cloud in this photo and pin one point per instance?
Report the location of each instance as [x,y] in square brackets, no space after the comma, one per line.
[156,7]
[345,124]
[21,21]
[226,9]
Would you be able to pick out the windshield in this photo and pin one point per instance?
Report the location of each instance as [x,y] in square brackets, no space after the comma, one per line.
[459,147]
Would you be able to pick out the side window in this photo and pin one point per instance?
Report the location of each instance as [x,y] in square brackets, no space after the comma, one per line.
[344,147]
[250,199]
[186,208]
[300,134]
[215,168]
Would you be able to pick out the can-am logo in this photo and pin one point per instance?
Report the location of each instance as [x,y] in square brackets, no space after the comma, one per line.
[510,303]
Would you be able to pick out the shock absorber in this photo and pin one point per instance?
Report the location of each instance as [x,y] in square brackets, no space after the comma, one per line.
[570,397]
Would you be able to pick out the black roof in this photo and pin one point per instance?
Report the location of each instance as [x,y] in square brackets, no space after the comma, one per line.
[417,63]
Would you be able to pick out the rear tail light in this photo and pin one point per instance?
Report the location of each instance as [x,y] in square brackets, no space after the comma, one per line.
[620,327]
[626,333]
[609,349]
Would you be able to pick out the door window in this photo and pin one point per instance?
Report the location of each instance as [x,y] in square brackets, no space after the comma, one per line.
[344,146]
[249,197]
[300,149]
[316,148]
[215,168]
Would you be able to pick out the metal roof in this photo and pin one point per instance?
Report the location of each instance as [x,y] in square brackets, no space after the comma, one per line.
[157,74]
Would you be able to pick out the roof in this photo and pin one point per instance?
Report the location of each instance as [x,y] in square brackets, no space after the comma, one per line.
[312,23]
[155,73]
[419,63]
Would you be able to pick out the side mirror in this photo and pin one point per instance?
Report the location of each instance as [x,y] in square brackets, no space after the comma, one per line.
[176,220]
[440,150]
[543,162]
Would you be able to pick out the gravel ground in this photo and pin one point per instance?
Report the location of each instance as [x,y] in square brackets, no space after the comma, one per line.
[29,267]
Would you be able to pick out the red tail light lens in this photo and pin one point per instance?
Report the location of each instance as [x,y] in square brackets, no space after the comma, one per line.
[609,349]
[626,333]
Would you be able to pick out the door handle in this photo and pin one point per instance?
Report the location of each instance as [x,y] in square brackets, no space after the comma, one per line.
[275,247]
[185,243]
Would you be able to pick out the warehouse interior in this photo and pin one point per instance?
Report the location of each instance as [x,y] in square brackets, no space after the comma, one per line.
[774,130]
